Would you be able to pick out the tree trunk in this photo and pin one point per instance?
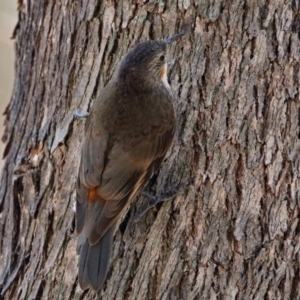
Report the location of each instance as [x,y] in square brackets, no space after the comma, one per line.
[233,231]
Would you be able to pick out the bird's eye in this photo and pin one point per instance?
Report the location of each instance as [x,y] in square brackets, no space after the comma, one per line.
[162,58]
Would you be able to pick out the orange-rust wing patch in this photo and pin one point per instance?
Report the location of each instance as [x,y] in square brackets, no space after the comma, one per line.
[93,194]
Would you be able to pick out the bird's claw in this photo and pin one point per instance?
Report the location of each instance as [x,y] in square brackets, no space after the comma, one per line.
[82,114]
[153,201]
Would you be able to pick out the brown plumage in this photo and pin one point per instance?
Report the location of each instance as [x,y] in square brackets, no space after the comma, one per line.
[128,133]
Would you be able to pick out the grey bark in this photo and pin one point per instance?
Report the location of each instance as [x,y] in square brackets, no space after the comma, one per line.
[233,232]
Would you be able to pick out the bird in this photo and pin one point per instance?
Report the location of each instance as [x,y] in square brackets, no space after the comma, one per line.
[127,135]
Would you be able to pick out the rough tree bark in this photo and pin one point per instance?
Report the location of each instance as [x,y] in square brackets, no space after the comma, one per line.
[233,232]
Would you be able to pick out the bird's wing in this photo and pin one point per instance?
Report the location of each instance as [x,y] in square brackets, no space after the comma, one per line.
[90,171]
[123,176]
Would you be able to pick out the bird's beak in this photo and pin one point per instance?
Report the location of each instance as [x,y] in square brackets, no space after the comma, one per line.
[173,38]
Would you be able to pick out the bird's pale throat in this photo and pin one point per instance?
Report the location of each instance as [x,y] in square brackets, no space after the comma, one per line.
[163,76]
[163,71]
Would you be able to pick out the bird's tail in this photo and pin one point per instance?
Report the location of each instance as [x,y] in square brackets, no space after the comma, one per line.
[94,261]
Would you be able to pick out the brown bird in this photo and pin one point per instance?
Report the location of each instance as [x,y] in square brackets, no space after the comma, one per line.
[127,135]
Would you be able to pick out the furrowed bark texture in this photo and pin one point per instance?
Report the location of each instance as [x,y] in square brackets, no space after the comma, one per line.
[233,231]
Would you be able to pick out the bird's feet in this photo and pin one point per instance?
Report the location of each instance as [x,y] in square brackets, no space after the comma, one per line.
[82,114]
[153,201]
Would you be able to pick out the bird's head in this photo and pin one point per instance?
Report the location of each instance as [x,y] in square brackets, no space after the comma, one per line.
[147,61]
